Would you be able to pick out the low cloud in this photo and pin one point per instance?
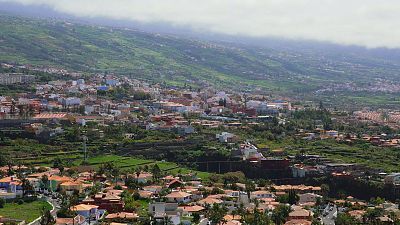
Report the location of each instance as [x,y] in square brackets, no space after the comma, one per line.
[369,23]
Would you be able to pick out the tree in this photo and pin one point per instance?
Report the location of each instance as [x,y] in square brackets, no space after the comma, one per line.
[3,160]
[45,182]
[292,197]
[345,219]
[280,214]
[2,202]
[250,186]
[372,215]
[131,183]
[217,214]
[156,171]
[58,163]
[315,222]
[47,218]
[325,190]
[26,186]
[196,218]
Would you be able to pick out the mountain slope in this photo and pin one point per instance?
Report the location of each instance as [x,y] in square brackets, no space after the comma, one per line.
[283,69]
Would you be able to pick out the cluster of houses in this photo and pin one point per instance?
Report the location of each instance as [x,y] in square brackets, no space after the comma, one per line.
[179,199]
[172,198]
[83,101]
[381,140]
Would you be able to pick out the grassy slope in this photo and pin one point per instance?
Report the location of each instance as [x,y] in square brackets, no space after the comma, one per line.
[365,154]
[124,163]
[176,60]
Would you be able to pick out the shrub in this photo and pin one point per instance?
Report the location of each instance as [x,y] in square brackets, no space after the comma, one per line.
[2,202]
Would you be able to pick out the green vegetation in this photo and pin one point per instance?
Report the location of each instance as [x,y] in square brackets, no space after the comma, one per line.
[176,61]
[26,211]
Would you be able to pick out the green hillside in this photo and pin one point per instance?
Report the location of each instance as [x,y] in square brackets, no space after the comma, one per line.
[99,49]
[90,48]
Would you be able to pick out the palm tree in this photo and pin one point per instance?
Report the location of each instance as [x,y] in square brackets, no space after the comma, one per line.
[217,214]
[250,186]
[26,186]
[45,182]
[280,214]
[47,218]
[137,171]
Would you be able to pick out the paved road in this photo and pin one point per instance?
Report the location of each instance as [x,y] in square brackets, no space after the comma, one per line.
[55,204]
[329,219]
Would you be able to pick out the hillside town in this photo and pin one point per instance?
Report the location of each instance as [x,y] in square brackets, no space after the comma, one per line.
[249,181]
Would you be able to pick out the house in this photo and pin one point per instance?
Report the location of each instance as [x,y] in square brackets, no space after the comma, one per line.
[168,178]
[87,211]
[145,194]
[77,220]
[155,189]
[308,199]
[226,137]
[183,129]
[299,189]
[7,195]
[300,213]
[71,186]
[11,185]
[189,210]
[179,197]
[143,177]
[161,210]
[175,184]
[121,217]
[358,214]
[109,201]
[55,181]
[209,201]
[393,179]
[261,194]
[332,133]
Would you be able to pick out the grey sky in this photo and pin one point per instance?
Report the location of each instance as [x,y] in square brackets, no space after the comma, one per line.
[370,23]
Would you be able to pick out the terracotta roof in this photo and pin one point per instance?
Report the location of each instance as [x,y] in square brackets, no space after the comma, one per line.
[261,192]
[60,179]
[8,179]
[69,221]
[296,187]
[83,207]
[71,183]
[194,208]
[122,215]
[178,194]
[50,116]
[300,212]
[231,217]
[357,213]
[232,222]
[210,201]
[298,222]
[145,194]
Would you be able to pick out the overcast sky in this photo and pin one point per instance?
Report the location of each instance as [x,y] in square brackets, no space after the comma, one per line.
[370,23]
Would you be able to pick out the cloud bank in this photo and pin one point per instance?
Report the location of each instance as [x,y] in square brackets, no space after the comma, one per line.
[369,23]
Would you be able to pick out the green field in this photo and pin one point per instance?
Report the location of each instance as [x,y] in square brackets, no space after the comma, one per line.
[124,163]
[362,153]
[27,211]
